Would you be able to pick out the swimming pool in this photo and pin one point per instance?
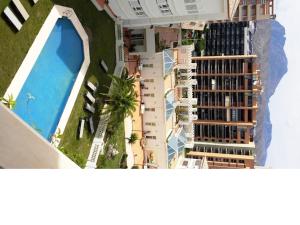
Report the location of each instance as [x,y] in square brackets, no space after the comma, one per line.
[43,96]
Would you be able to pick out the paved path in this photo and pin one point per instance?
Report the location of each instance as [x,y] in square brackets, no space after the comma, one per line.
[98,143]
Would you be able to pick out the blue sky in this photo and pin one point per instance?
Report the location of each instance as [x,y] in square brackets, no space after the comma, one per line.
[284,150]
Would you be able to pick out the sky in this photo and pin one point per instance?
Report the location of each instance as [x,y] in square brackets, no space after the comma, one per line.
[284,150]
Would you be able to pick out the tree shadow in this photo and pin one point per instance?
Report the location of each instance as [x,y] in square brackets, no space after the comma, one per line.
[268,43]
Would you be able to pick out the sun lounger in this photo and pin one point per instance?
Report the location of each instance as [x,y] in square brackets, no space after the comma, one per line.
[91,86]
[104,66]
[13,19]
[90,97]
[81,128]
[89,108]
[91,125]
[21,9]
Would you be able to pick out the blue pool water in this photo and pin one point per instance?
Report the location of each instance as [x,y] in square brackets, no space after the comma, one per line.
[44,94]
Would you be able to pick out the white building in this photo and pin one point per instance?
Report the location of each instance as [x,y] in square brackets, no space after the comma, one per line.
[142,13]
[166,80]
[24,148]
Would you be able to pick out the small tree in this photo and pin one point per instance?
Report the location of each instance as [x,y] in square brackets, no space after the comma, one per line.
[133,138]
[10,102]
[121,100]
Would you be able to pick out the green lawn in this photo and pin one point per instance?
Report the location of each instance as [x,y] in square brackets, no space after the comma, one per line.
[100,29]
[118,141]
[14,46]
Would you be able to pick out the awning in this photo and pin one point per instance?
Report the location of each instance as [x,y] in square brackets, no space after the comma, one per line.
[169,104]
[169,61]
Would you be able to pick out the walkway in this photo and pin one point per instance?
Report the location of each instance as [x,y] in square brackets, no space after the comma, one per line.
[98,142]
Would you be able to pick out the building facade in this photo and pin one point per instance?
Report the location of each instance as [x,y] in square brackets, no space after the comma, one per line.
[167,98]
[143,13]
[249,10]
[228,38]
[227,90]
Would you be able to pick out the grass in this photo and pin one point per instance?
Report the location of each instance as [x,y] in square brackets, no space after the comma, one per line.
[14,46]
[118,140]
[100,29]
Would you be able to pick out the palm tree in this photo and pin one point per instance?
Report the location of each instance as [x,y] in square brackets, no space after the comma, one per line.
[10,102]
[121,99]
[132,139]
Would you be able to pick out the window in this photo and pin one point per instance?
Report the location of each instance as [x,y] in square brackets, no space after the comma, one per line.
[149,95]
[120,51]
[192,9]
[164,7]
[189,1]
[241,161]
[149,80]
[150,124]
[119,32]
[147,65]
[137,8]
[151,137]
[150,109]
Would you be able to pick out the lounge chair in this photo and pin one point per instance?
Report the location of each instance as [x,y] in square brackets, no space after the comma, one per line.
[91,125]
[91,86]
[21,9]
[104,66]
[13,19]
[89,108]
[90,97]
[81,128]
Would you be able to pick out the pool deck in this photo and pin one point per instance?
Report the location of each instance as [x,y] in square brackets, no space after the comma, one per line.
[34,52]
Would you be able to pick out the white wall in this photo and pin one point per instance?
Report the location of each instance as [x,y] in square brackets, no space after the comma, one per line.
[22,147]
[208,10]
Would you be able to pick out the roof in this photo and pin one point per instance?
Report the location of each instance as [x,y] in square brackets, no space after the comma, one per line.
[176,144]
[169,61]
[169,103]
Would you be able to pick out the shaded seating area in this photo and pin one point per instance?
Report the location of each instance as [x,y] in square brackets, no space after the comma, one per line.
[104,66]
[12,18]
[90,97]
[89,108]
[91,86]
[91,125]
[21,9]
[81,128]
[16,13]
